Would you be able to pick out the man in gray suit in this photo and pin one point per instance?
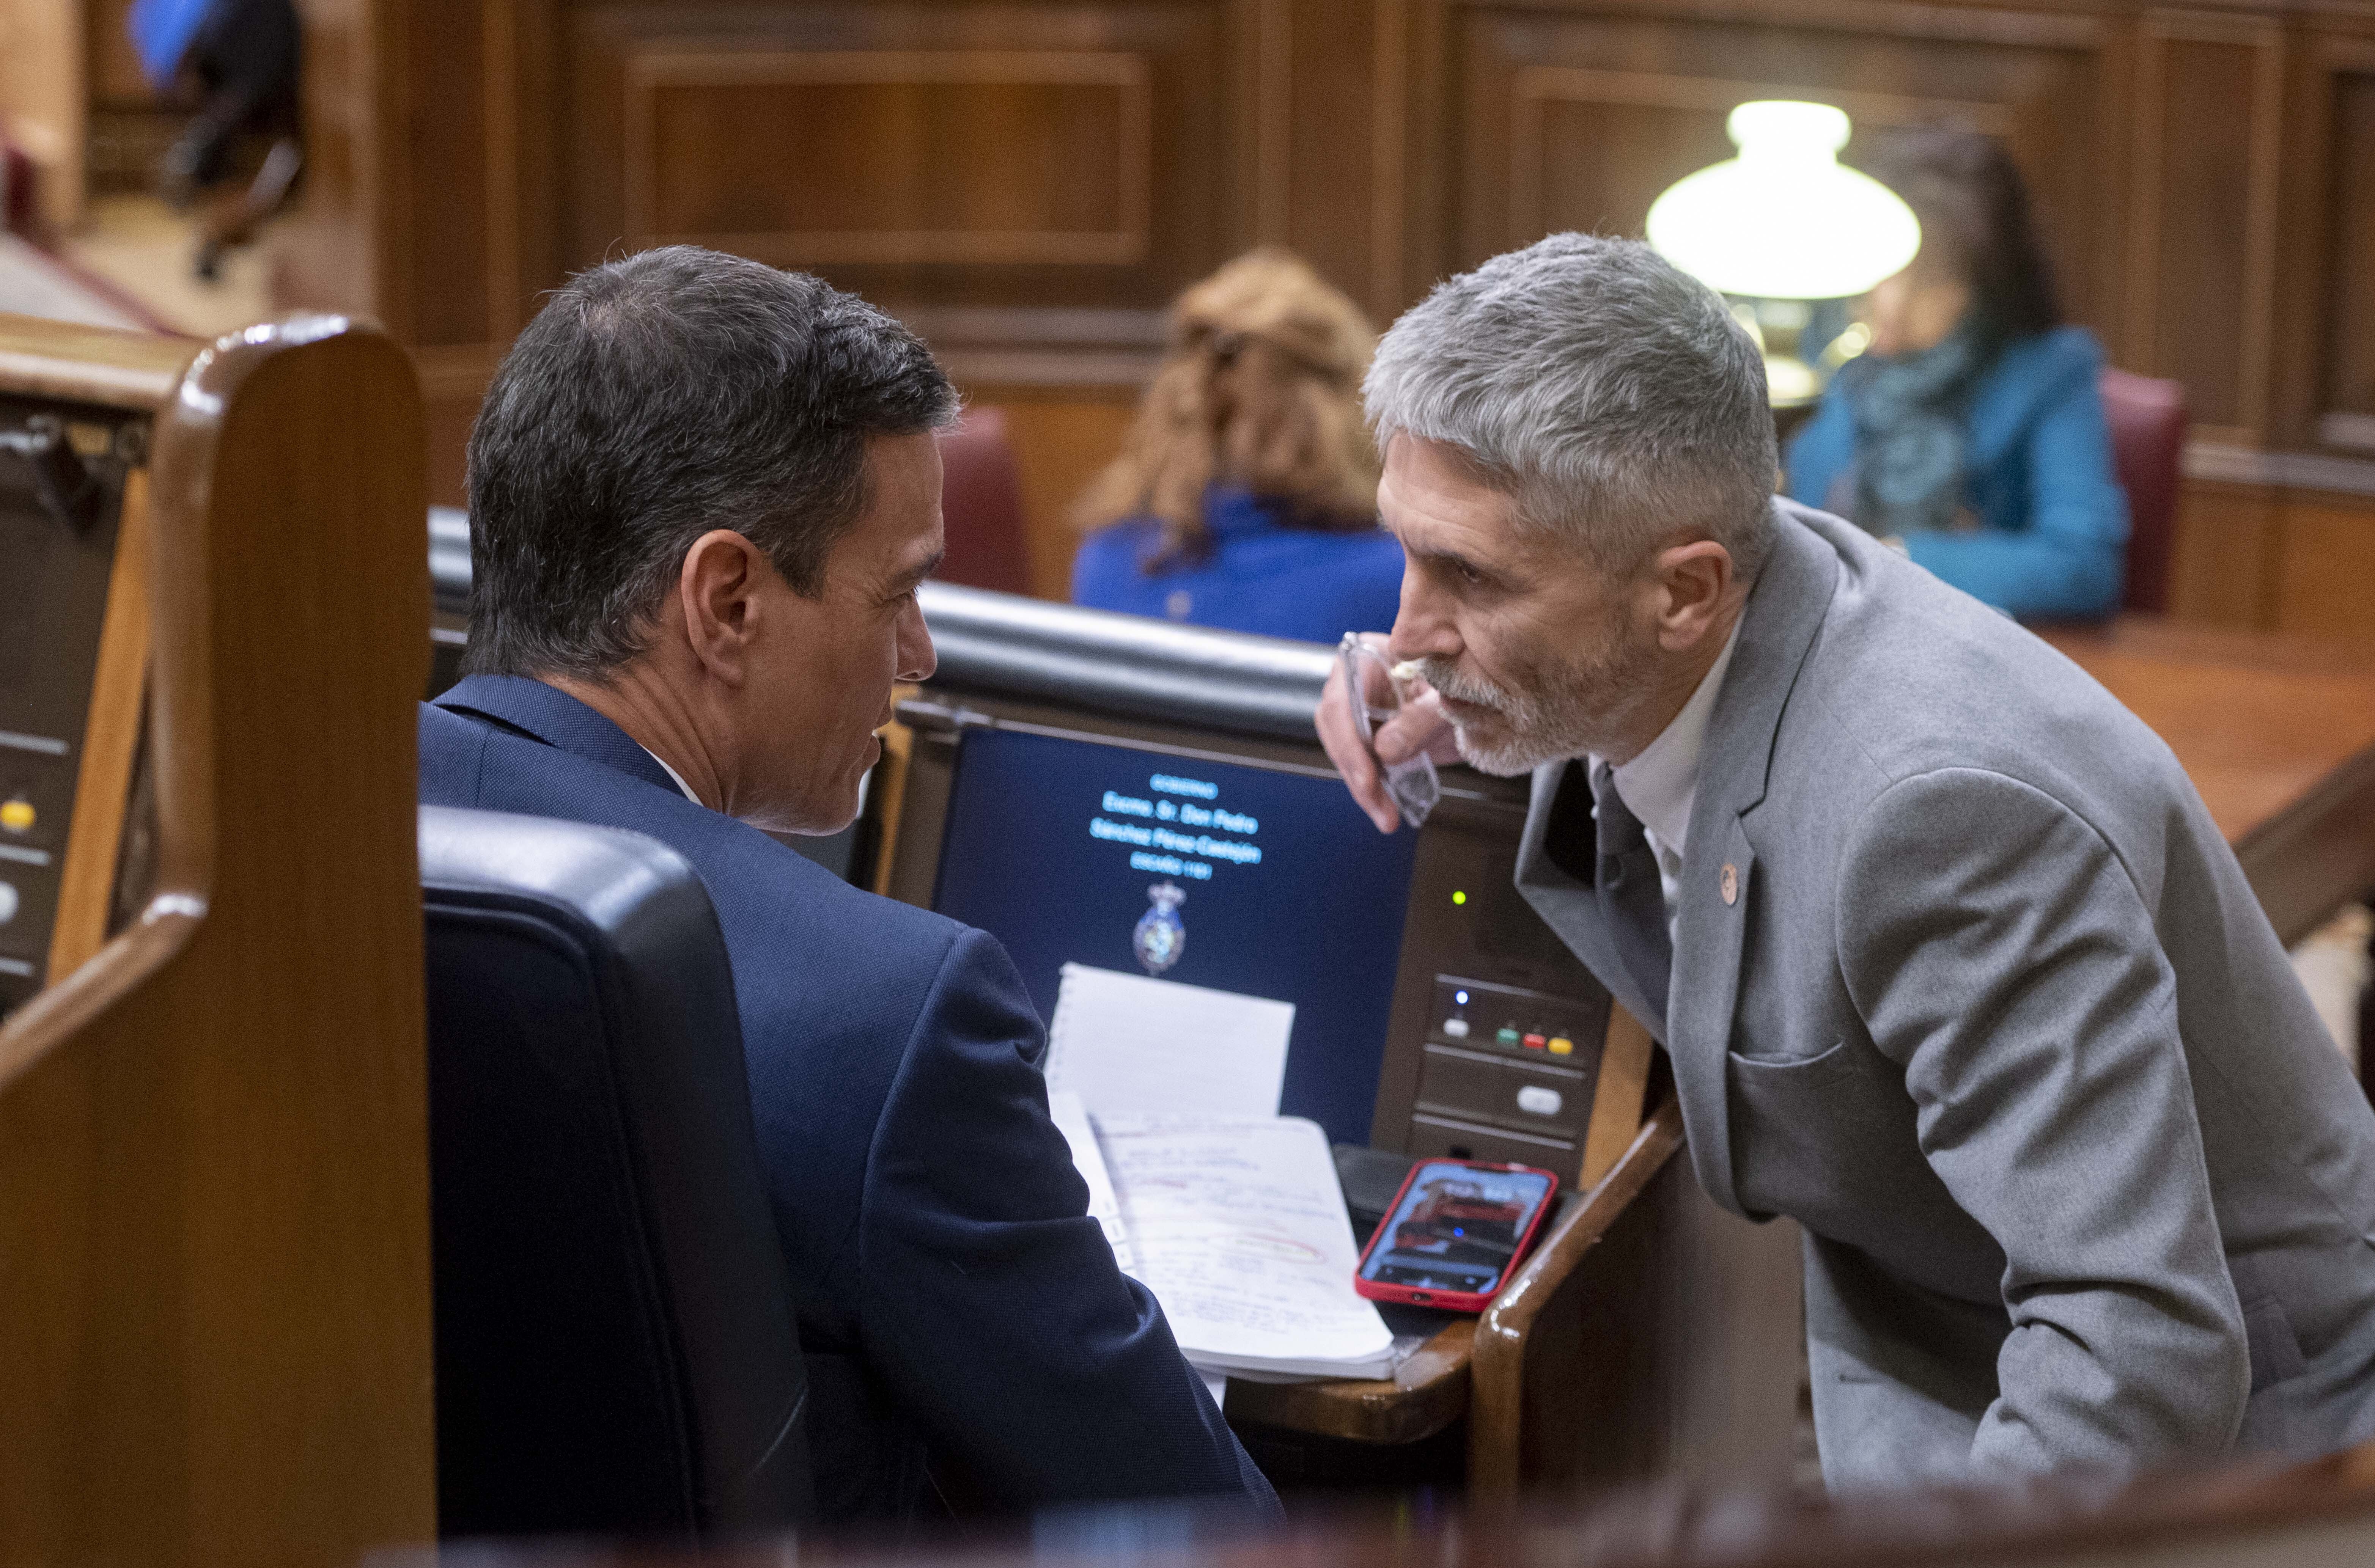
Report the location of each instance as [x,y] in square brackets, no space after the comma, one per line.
[1952,964]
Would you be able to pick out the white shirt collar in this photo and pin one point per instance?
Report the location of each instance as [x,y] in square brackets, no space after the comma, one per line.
[1660,786]
[672,773]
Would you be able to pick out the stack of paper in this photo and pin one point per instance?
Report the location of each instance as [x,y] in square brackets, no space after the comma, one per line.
[1239,1229]
[1131,1046]
[1231,1214]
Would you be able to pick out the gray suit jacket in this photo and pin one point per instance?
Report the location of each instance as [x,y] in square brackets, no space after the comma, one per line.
[1992,1013]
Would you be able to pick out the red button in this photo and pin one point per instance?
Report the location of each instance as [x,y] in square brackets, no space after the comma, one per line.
[1536,1041]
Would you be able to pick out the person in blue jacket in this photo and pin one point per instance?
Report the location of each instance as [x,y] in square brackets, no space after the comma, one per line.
[702,493]
[1971,429]
[1245,496]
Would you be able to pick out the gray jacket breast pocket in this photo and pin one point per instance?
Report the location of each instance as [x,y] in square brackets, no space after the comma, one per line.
[1815,1130]
[1830,1139]
[1843,1082]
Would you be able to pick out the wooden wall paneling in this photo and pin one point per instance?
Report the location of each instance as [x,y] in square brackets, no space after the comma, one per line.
[2335,148]
[453,384]
[1330,144]
[524,121]
[924,154]
[1579,118]
[1391,88]
[1428,178]
[2326,577]
[1649,130]
[2223,568]
[967,158]
[499,114]
[2301,313]
[534,159]
[1265,55]
[2201,278]
[1062,437]
[447,239]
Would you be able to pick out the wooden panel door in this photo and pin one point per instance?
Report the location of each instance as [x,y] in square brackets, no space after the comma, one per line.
[1577,118]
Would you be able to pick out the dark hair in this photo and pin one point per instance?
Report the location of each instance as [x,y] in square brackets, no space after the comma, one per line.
[1967,193]
[651,400]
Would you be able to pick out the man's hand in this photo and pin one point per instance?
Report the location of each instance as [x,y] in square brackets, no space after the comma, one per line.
[1421,725]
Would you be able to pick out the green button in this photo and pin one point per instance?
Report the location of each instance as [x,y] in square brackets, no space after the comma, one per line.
[1508,1035]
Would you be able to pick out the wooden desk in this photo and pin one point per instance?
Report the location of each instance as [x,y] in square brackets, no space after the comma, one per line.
[2256,1510]
[1478,1367]
[2278,735]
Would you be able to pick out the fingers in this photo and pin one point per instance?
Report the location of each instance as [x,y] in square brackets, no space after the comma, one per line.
[1421,725]
[1351,756]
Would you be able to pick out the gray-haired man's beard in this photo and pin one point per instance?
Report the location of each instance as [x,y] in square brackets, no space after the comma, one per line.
[1554,719]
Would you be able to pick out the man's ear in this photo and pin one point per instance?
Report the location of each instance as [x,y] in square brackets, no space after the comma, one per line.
[1694,580]
[717,595]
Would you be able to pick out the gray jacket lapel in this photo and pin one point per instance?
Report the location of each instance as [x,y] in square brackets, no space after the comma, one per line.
[1784,616]
[1572,908]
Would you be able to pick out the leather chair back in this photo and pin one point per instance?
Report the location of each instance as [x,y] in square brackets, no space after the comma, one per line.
[981,501]
[2148,419]
[616,1349]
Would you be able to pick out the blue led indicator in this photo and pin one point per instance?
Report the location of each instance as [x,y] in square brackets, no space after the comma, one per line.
[1460,997]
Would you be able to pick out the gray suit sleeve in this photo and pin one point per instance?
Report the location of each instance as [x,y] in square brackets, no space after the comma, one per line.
[1999,952]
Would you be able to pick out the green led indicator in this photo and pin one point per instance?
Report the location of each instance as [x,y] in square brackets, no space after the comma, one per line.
[1460,897]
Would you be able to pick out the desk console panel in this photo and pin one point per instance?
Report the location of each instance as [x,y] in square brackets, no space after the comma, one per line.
[62,472]
[1495,1032]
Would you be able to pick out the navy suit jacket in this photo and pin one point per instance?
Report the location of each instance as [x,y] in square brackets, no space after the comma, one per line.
[954,1297]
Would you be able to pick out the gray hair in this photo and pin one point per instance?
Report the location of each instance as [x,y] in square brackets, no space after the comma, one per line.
[1611,395]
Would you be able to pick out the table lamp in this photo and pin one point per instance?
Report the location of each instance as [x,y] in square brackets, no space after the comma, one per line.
[1784,222]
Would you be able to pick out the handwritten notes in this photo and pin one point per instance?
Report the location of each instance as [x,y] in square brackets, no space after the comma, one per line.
[1073,1120]
[1230,1213]
[1239,1229]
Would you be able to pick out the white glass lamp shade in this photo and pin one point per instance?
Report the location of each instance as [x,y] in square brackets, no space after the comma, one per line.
[1785,220]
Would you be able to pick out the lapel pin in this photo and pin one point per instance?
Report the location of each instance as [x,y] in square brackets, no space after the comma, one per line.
[1731,883]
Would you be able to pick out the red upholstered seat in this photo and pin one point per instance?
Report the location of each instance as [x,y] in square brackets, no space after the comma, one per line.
[2147,421]
[981,501]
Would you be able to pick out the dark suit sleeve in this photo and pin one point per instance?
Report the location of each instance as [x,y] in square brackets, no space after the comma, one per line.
[991,1302]
[1999,952]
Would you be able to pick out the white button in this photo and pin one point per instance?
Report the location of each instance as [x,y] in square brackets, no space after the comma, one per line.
[1456,1027]
[1541,1102]
[7,903]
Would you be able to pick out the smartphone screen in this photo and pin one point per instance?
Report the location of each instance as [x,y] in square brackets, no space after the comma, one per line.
[1456,1228]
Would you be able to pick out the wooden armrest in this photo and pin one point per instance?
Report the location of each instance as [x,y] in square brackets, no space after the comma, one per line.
[1426,1392]
[1498,1357]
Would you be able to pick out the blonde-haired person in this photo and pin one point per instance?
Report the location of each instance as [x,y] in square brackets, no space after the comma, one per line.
[1245,495]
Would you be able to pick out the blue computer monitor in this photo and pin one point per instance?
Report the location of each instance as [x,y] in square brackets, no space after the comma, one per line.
[1060,847]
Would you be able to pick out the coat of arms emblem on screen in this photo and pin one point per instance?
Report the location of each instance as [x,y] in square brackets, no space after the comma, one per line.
[1161,935]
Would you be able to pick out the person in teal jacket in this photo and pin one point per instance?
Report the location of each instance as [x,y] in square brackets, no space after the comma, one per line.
[1971,430]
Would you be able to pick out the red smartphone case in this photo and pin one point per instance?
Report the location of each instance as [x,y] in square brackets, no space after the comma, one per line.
[1452,1300]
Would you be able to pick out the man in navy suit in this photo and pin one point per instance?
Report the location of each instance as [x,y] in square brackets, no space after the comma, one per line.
[702,493]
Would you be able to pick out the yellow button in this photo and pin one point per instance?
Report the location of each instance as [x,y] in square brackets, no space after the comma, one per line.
[1562,1047]
[16,816]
